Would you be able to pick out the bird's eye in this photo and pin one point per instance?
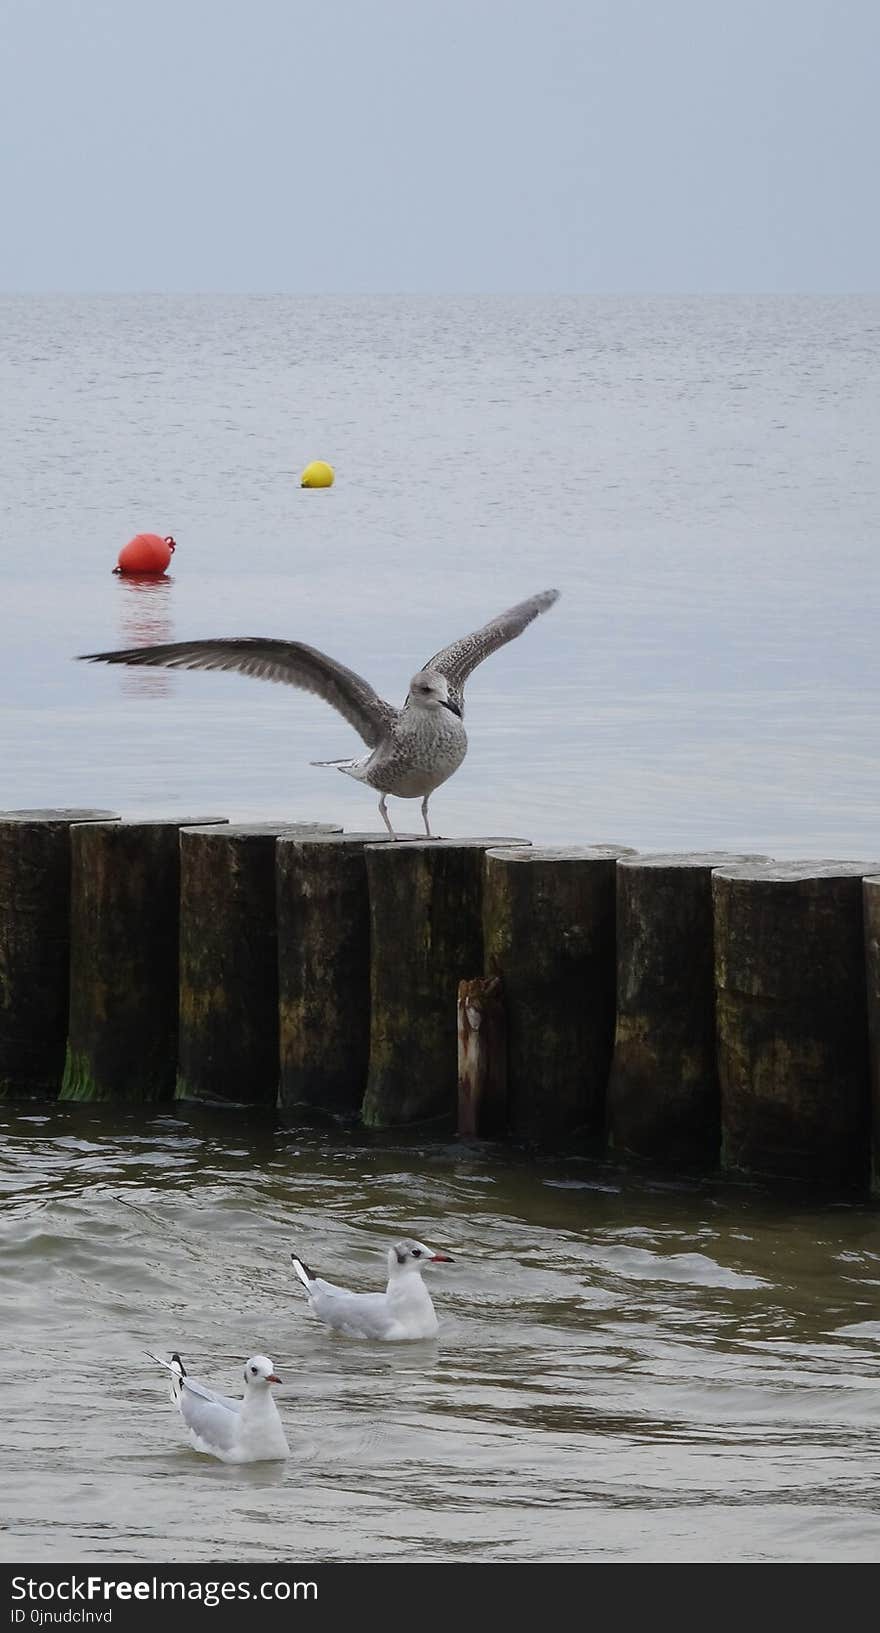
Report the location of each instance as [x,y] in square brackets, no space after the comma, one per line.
[416,1252]
[254,1371]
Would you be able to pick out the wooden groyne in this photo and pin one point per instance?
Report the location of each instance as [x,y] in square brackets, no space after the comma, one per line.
[663,1097]
[228,1047]
[792,1019]
[323,907]
[35,946]
[559,986]
[718,1010]
[426,933]
[871,899]
[124,931]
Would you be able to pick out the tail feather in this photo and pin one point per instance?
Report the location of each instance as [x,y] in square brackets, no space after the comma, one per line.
[177,1369]
[174,1365]
[305,1275]
[332,762]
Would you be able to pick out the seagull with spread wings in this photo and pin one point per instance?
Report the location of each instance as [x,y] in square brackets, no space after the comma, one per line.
[412,750]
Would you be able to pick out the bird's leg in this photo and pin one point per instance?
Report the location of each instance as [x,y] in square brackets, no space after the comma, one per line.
[425,816]
[384,810]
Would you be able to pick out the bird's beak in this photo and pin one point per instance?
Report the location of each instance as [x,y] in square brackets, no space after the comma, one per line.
[273,1378]
[442,1258]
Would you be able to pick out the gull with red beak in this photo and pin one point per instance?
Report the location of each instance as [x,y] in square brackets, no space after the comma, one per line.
[403,1311]
[235,1431]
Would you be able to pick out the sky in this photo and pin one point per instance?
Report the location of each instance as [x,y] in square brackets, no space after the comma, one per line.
[433,146]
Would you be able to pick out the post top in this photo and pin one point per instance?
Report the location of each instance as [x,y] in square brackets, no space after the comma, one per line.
[126,823]
[797,871]
[65,814]
[426,844]
[259,830]
[708,860]
[561,853]
[337,836]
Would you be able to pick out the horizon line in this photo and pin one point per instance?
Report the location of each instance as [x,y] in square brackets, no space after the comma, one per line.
[439,294]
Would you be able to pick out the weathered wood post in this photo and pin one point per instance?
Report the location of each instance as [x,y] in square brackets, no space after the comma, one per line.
[324,969]
[426,935]
[228,1044]
[548,918]
[482,1057]
[124,926]
[549,934]
[792,1020]
[34,947]
[871,889]
[663,1096]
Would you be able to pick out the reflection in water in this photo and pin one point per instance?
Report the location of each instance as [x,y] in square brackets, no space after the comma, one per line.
[146,620]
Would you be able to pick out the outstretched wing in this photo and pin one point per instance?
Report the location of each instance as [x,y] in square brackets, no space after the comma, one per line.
[289,662]
[458,660]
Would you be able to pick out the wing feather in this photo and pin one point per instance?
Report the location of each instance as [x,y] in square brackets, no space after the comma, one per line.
[459,659]
[365,1314]
[191,1386]
[290,663]
[210,1417]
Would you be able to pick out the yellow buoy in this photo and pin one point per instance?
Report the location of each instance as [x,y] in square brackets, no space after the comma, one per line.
[317,475]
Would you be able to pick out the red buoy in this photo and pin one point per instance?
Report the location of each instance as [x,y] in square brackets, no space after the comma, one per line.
[145,553]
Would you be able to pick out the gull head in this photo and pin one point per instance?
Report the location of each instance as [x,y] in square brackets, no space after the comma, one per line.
[429,690]
[409,1257]
[259,1373]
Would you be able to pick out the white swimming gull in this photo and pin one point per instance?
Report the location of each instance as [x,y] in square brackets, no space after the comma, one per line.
[403,1311]
[412,750]
[236,1431]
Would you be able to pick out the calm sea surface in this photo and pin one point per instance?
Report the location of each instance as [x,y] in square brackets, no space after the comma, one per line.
[628,1367]
[699,477]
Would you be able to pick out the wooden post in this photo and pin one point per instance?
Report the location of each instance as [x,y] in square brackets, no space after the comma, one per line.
[549,933]
[426,933]
[324,970]
[34,947]
[871,888]
[663,1096]
[228,1048]
[122,1035]
[482,1058]
[792,1020]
